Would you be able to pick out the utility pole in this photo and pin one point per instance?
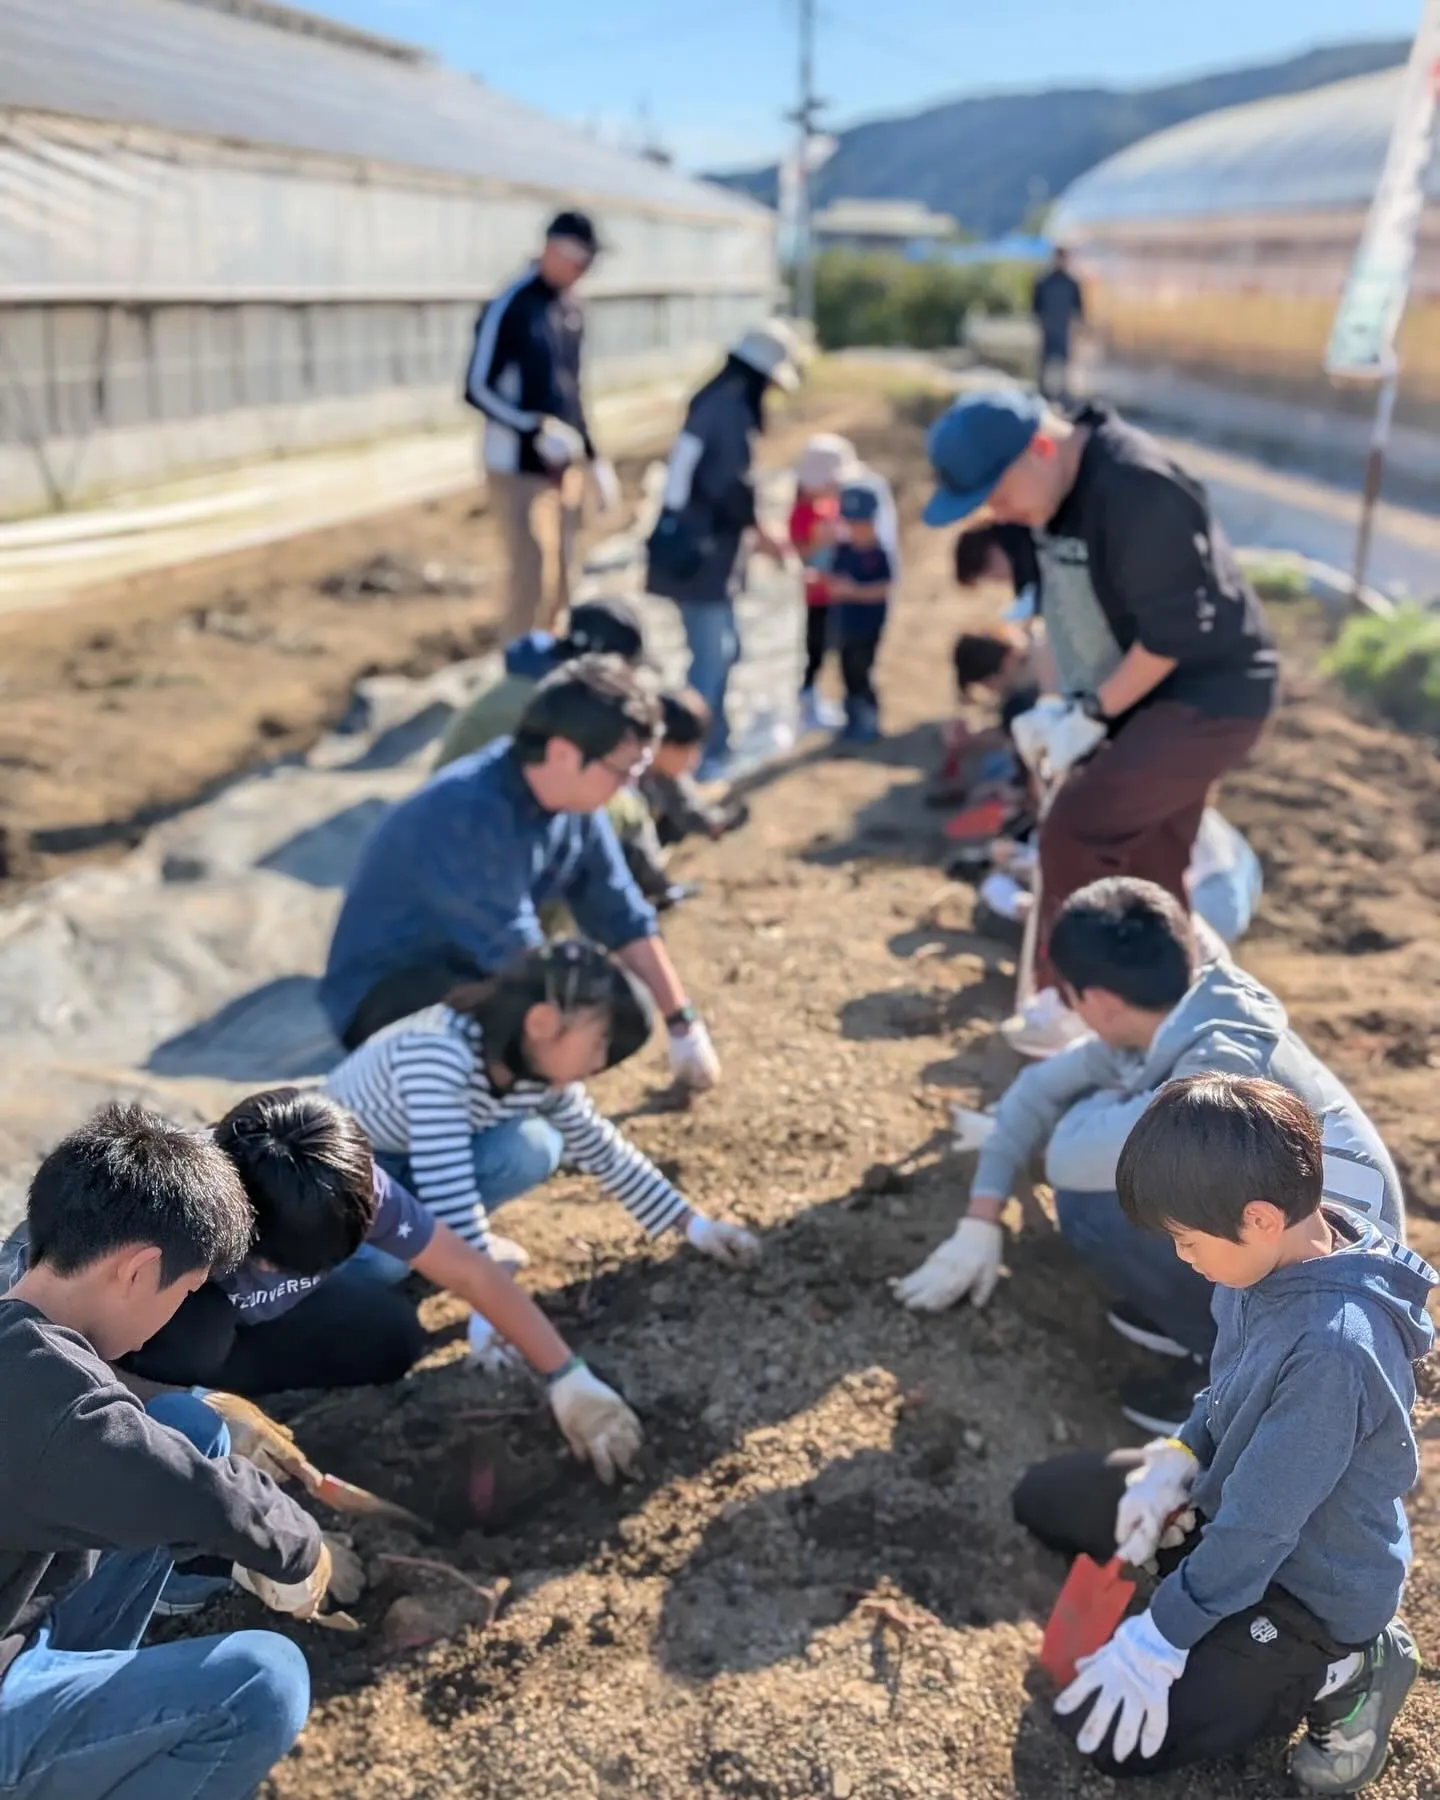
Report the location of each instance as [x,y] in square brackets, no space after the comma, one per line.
[804,117]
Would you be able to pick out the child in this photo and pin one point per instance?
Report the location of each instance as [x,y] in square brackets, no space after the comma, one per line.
[859,584]
[307,1310]
[1153,1010]
[824,464]
[1001,556]
[475,1101]
[1279,1503]
[126,1217]
[676,805]
[1001,663]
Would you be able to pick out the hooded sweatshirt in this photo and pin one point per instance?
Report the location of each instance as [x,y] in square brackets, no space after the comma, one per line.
[1305,1442]
[1085,1101]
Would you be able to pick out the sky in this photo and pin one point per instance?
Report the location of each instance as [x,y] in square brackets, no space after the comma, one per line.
[712,81]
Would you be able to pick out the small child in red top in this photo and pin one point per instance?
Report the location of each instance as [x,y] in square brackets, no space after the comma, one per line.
[825,463]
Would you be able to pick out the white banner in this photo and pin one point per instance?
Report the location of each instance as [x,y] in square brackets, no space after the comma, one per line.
[1362,338]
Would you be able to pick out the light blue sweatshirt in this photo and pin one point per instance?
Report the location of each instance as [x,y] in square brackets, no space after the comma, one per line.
[1305,1441]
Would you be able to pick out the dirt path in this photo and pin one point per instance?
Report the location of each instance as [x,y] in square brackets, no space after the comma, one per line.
[817,1590]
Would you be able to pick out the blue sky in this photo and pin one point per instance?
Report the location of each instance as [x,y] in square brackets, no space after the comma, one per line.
[715,78]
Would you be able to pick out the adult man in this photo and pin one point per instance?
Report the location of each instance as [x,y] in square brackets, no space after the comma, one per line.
[1058,304]
[524,375]
[1125,953]
[450,883]
[1161,649]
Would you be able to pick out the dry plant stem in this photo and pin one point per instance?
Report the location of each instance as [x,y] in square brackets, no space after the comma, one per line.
[492,1596]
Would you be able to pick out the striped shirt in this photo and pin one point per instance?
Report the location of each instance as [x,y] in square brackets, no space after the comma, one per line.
[422,1090]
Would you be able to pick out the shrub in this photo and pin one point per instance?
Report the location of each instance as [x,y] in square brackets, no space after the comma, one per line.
[1393,664]
[884,300]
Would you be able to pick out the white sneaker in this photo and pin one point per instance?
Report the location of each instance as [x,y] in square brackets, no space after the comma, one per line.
[819,714]
[1044,1026]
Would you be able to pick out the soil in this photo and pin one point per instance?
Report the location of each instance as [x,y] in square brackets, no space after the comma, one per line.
[816,1589]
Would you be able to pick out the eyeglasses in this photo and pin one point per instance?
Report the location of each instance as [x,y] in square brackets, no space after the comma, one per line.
[632,770]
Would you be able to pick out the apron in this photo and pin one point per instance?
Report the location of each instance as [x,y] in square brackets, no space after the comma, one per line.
[1076,628]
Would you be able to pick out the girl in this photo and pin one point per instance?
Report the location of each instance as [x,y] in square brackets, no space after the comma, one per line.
[475,1101]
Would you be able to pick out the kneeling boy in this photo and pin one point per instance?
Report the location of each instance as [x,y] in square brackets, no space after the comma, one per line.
[1284,1487]
[127,1216]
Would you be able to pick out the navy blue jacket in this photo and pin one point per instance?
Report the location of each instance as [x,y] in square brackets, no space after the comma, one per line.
[525,367]
[463,865]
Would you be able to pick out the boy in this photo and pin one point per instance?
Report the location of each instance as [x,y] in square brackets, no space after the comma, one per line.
[304,1311]
[127,1216]
[860,579]
[676,804]
[1283,1570]
[1126,955]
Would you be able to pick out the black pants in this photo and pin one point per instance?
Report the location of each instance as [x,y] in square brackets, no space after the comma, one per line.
[817,642]
[1253,1677]
[857,662]
[349,1332]
[397,995]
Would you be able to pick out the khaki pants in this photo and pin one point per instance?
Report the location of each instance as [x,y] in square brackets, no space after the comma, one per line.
[539,519]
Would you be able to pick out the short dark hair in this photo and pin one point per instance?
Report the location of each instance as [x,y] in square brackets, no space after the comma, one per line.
[602,628]
[980,656]
[973,548]
[129,1178]
[593,702]
[1127,936]
[685,717]
[1207,1146]
[570,975]
[309,1172]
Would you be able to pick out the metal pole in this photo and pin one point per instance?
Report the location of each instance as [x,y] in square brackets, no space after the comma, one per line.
[1374,472]
[804,240]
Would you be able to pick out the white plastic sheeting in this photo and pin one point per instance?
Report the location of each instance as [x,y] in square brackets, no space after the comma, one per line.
[1306,152]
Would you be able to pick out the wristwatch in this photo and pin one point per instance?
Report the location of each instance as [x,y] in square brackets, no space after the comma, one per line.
[1090,705]
[682,1018]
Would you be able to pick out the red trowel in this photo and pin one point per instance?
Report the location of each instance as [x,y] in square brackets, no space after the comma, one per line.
[1087,1609]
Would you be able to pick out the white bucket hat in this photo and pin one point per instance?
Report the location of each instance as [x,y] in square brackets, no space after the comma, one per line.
[774,350]
[827,460]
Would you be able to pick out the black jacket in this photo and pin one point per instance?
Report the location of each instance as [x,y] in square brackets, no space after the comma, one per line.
[709,484]
[525,367]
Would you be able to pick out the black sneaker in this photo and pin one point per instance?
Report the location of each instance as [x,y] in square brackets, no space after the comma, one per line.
[1347,1736]
[1162,1403]
[1140,1329]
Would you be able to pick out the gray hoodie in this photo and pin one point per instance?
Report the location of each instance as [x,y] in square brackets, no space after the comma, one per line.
[1305,1442]
[1084,1102]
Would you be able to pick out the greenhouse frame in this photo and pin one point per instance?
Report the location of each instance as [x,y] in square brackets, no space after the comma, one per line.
[233,230]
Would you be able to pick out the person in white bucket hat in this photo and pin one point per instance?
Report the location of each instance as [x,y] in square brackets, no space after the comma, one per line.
[708,513]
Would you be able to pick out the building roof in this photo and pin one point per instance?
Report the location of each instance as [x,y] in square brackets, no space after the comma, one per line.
[882,218]
[1306,152]
[257,73]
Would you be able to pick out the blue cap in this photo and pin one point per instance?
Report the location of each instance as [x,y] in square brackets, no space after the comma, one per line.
[973,445]
[859,503]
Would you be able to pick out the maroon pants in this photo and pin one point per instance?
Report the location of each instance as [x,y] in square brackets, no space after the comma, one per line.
[1135,807]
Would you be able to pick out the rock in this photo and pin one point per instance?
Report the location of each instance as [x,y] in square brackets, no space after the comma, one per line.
[974,1441]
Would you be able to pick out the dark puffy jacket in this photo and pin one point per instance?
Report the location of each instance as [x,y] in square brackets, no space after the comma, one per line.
[709,487]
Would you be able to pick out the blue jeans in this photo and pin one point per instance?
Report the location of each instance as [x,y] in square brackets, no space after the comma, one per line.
[510,1159]
[714,651]
[85,1713]
[1138,1266]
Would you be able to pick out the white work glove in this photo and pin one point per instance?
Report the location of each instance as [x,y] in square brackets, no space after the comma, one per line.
[558,444]
[338,1575]
[968,1262]
[1156,1489]
[598,1426]
[506,1252]
[693,1061]
[1055,735]
[607,484]
[732,1246]
[486,1349]
[973,1130]
[1132,1677]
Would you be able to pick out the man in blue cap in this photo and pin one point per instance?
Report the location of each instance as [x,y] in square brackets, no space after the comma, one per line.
[1166,667]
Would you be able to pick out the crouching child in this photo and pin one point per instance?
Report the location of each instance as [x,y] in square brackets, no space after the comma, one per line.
[1277,1511]
[127,1216]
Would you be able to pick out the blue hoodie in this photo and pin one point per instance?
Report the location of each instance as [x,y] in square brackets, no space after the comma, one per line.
[1305,1442]
[532,656]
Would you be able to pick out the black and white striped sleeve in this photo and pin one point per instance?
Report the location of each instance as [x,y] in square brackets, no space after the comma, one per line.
[497,344]
[594,1145]
[433,1075]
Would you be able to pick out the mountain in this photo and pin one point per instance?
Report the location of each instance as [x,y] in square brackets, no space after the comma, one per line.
[986,159]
